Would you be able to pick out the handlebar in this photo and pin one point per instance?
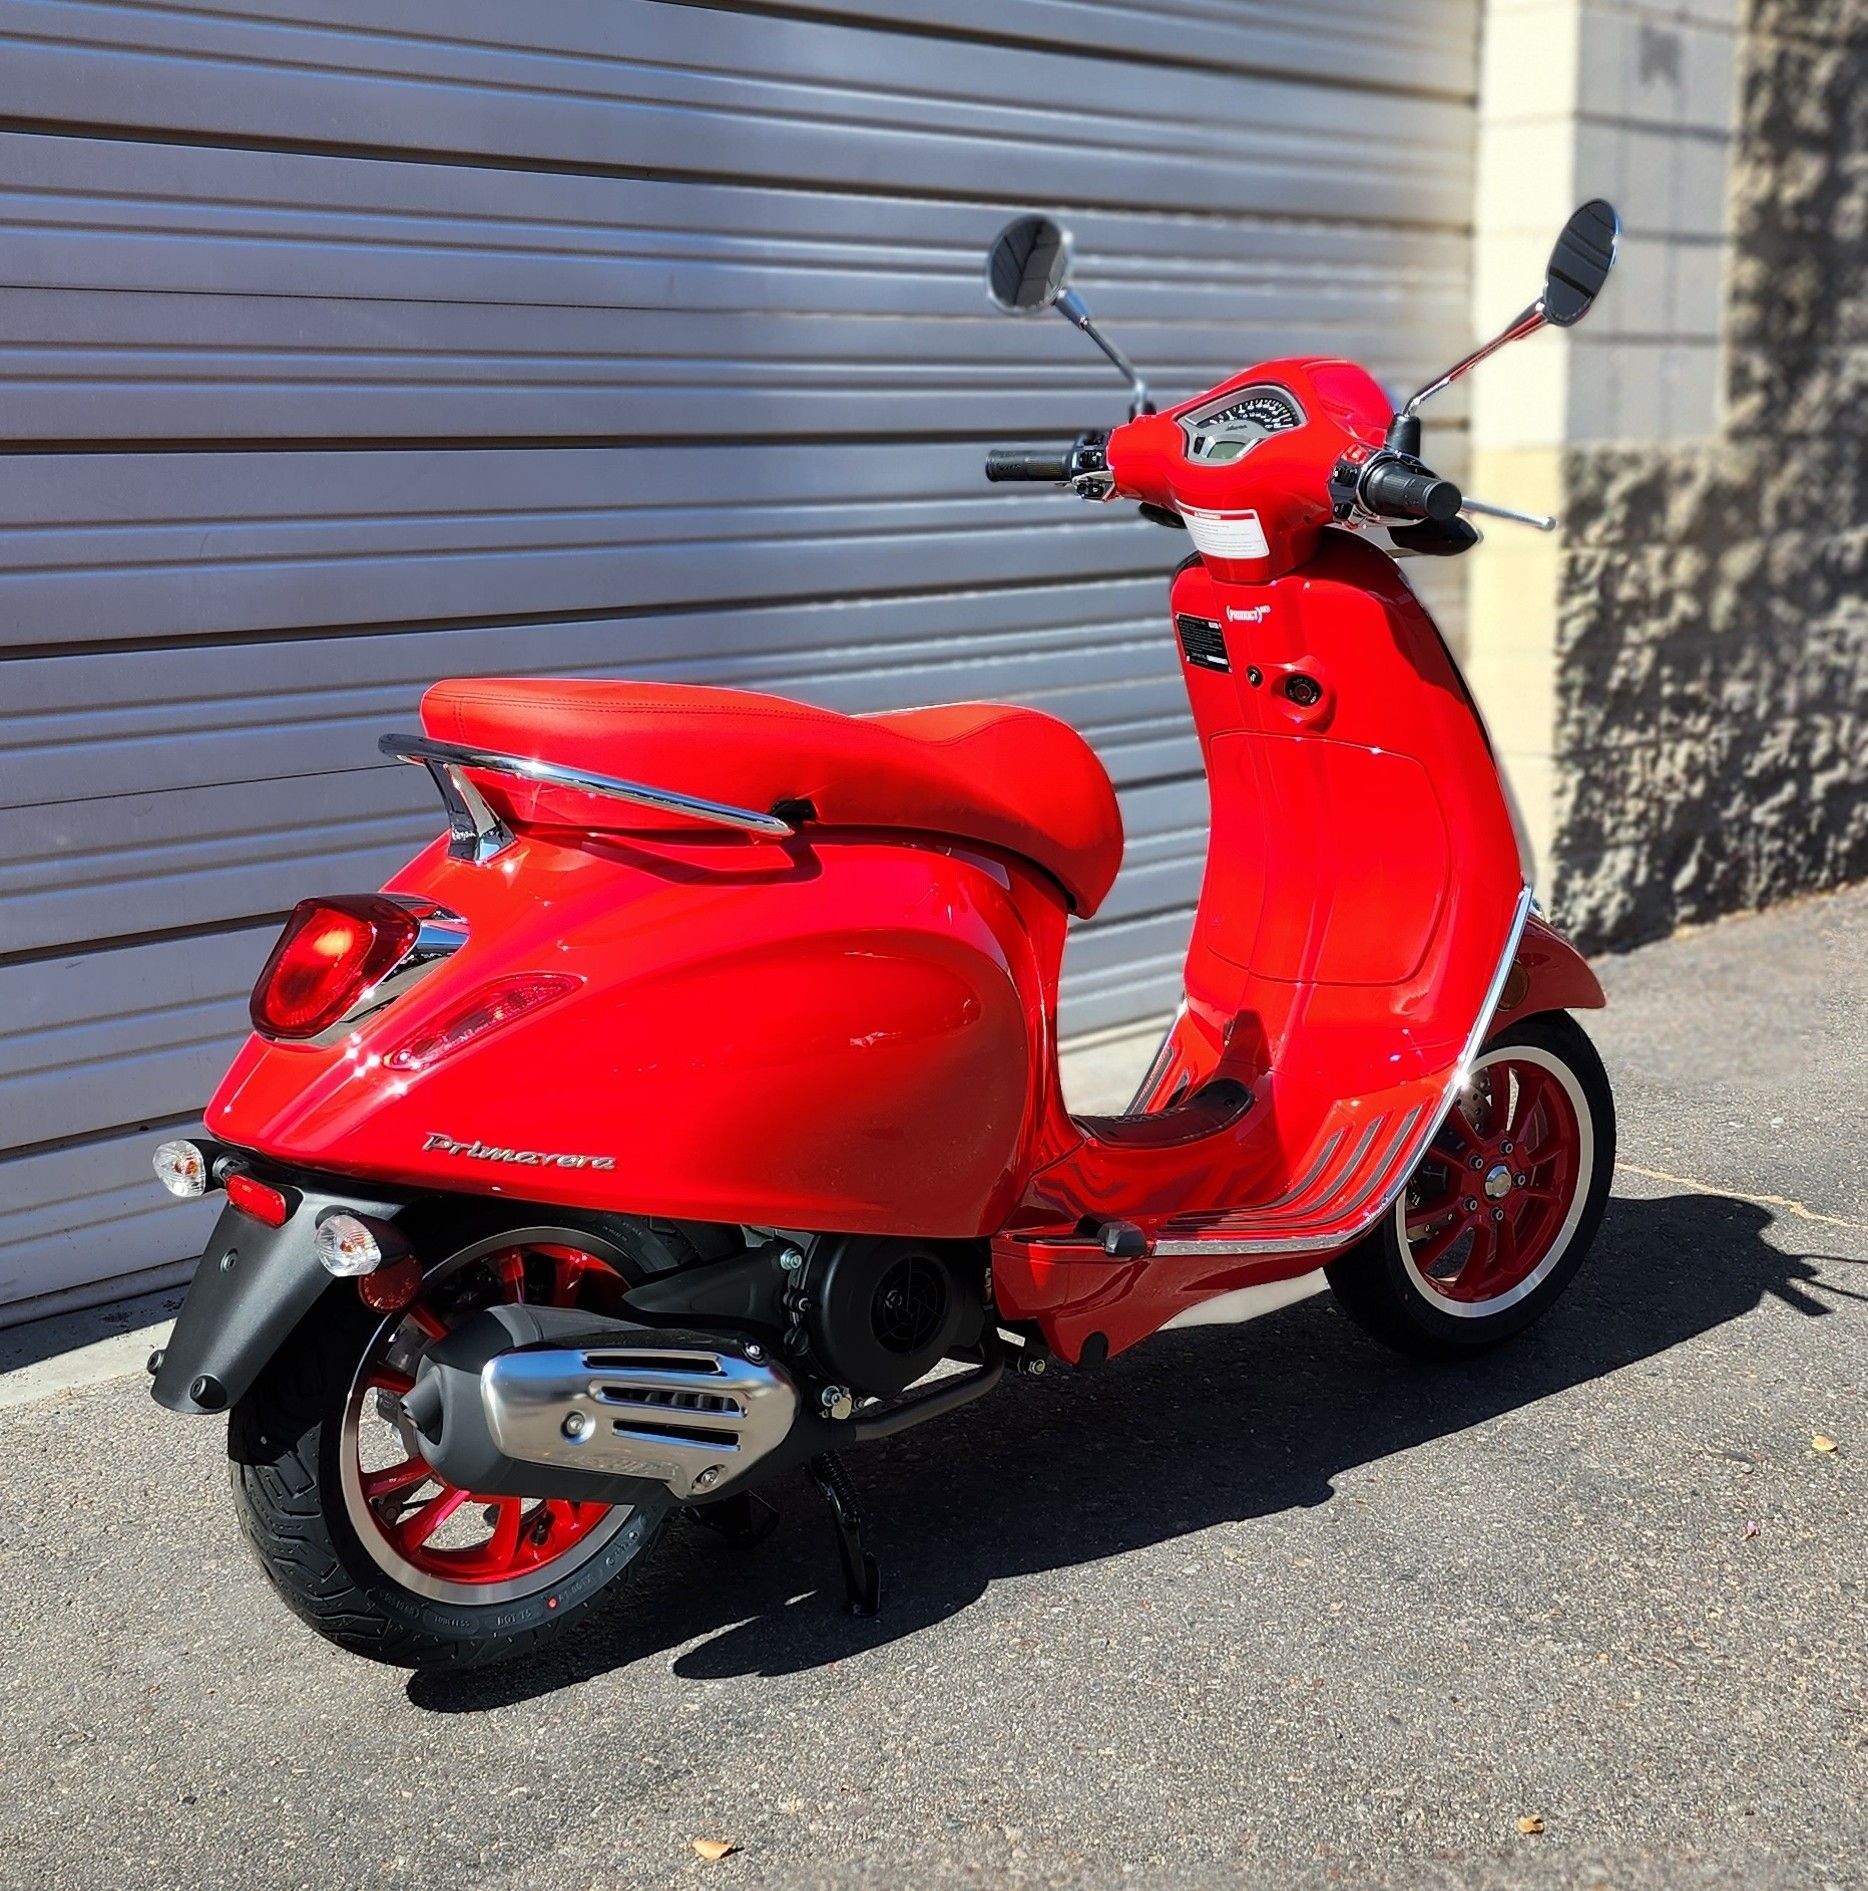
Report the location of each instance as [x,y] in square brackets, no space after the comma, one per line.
[1005,463]
[1395,491]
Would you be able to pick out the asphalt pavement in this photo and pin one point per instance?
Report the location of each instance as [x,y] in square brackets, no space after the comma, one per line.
[1257,1606]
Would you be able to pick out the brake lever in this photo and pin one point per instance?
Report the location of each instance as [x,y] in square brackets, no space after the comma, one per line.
[1542,521]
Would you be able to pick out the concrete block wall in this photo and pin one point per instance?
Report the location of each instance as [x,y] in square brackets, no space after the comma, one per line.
[1679,681]
[1712,701]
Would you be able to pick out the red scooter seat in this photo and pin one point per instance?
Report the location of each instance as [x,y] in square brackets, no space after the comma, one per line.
[1009,778]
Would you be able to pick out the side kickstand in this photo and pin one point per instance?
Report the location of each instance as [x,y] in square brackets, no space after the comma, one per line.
[862,1576]
[743,1520]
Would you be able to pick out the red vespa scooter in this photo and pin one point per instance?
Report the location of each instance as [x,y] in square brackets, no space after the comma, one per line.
[676,1117]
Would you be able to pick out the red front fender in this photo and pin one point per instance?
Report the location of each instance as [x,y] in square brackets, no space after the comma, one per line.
[1548,974]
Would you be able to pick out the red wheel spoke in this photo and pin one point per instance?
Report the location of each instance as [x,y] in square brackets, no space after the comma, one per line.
[567,1274]
[1462,1133]
[426,1318]
[395,1477]
[1434,1249]
[1533,1086]
[1505,1262]
[416,1528]
[1477,1264]
[503,1546]
[515,1539]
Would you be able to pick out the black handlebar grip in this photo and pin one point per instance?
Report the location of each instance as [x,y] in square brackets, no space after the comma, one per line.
[1391,489]
[1004,463]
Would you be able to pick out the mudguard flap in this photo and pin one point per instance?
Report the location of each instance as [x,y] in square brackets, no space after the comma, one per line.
[252,1286]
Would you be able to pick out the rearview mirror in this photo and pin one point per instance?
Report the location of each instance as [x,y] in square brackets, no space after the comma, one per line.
[1028,266]
[1579,266]
[1580,263]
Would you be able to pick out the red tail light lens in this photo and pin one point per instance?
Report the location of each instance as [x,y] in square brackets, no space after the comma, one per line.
[488,1008]
[330,952]
[256,1199]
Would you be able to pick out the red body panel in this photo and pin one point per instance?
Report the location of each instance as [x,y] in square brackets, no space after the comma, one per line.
[853,1030]
[841,1035]
[1283,481]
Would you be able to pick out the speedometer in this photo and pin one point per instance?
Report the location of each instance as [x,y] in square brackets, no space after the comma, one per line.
[1234,425]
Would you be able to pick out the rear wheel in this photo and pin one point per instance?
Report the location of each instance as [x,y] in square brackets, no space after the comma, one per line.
[1496,1219]
[354,1529]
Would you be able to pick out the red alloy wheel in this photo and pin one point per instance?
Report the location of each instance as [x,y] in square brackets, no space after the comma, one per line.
[430,1535]
[1492,1209]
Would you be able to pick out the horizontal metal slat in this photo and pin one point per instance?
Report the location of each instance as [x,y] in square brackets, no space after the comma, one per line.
[72,1216]
[137,1034]
[1427,44]
[85,726]
[116,546]
[663,88]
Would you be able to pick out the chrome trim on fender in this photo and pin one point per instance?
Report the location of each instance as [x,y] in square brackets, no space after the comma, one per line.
[1411,1155]
[479,834]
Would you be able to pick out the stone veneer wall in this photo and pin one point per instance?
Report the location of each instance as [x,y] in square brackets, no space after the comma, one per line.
[1712,677]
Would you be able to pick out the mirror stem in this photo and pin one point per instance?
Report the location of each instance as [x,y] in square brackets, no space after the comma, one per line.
[1070,306]
[1526,324]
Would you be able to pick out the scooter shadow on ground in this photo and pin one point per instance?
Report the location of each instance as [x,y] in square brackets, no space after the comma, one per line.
[1215,1425]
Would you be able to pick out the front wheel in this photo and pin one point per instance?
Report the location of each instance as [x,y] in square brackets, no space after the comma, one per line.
[1495,1221]
[357,1533]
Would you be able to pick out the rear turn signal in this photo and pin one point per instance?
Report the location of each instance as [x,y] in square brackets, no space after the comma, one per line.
[331,952]
[182,1169]
[346,1246]
[486,1010]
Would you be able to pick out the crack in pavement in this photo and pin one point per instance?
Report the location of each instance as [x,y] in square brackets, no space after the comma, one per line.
[1738,1194]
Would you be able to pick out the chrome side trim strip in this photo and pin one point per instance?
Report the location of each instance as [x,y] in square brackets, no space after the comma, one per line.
[1416,1147]
[1381,1168]
[479,834]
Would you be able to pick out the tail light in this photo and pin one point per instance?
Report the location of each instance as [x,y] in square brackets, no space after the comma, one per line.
[331,952]
[258,1199]
[484,1010]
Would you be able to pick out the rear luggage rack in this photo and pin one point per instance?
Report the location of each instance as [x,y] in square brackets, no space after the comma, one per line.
[476,833]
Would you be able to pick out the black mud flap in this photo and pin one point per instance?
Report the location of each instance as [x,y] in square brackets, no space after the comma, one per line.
[251,1288]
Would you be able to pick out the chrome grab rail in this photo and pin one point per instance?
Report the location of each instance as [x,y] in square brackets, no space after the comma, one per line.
[477,833]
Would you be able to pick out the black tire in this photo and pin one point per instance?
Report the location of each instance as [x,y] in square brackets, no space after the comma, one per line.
[287,1443]
[1380,1286]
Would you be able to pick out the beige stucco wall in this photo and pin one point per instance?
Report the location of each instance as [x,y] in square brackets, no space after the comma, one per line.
[1584,98]
[1678,679]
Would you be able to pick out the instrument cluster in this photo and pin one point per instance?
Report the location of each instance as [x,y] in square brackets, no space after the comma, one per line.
[1229,428]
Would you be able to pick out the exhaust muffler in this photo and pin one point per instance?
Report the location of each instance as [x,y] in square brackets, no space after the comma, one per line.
[550,1402]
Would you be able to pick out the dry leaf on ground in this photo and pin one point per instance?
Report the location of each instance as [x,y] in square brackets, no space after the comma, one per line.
[1819,1443]
[714,1849]
[1530,1825]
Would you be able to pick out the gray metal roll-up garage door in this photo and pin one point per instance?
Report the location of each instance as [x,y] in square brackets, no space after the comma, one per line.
[351,345]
